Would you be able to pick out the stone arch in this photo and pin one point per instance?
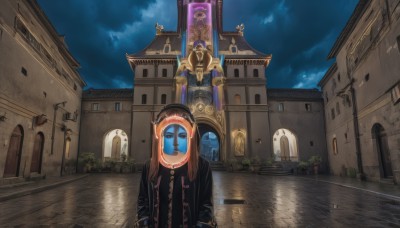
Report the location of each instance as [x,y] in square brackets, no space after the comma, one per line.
[13,159]
[37,153]
[285,145]
[217,129]
[381,147]
[115,144]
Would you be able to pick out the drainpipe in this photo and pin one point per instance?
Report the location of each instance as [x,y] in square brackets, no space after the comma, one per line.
[54,125]
[357,131]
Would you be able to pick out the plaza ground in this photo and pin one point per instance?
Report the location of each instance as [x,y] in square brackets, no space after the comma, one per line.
[240,200]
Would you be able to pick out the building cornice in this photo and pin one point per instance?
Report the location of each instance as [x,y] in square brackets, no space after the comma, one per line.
[134,61]
[348,29]
[249,61]
[328,75]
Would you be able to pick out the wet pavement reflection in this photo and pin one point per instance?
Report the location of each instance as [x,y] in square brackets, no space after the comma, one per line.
[241,200]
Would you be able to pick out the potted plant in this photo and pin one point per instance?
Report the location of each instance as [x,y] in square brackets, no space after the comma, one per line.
[88,160]
[315,161]
[302,167]
[246,163]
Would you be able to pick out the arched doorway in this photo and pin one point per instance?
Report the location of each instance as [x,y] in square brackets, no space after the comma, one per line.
[381,146]
[13,159]
[115,145]
[116,148]
[285,145]
[36,162]
[210,143]
[285,151]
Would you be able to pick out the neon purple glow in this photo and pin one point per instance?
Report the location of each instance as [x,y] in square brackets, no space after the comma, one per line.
[199,23]
[183,95]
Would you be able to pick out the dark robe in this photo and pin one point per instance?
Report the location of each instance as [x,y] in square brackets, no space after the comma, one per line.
[192,201]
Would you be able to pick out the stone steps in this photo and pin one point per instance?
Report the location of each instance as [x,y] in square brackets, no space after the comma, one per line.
[275,169]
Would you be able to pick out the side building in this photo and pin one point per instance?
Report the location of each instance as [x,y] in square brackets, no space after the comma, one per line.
[362,93]
[297,125]
[40,95]
[106,123]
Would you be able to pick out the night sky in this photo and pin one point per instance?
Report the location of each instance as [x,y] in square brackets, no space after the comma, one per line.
[298,33]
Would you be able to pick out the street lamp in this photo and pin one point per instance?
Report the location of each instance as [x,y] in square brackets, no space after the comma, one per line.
[54,124]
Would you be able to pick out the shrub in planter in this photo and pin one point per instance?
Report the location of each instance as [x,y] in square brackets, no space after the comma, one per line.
[246,163]
[302,167]
[87,160]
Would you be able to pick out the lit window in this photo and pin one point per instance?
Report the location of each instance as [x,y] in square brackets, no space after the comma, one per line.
[118,106]
[163,99]
[144,99]
[145,73]
[238,99]
[257,99]
[164,73]
[334,146]
[95,107]
[281,108]
[236,73]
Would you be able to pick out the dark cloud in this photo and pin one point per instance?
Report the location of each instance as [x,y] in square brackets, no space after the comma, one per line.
[299,34]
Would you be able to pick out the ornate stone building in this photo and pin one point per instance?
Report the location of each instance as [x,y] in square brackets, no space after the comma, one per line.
[222,79]
[40,95]
[362,93]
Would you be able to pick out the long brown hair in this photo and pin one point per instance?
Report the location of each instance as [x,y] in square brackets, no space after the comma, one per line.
[175,109]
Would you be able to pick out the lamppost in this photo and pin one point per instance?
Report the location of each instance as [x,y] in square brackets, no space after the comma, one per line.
[54,124]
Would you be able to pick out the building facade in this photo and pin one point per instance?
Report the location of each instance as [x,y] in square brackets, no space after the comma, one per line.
[40,95]
[221,78]
[361,94]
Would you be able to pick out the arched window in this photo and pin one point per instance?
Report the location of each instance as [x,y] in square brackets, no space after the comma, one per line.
[255,73]
[164,73]
[144,99]
[164,99]
[334,146]
[236,73]
[238,99]
[13,159]
[36,162]
[145,73]
[257,98]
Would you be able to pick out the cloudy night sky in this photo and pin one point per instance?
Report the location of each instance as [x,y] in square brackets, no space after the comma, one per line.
[298,33]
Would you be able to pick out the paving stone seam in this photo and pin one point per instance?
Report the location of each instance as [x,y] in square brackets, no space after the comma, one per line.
[361,189]
[38,189]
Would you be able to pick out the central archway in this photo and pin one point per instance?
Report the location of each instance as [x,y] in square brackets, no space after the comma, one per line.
[210,142]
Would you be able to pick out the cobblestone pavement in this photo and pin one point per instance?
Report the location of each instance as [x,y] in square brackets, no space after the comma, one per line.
[109,200]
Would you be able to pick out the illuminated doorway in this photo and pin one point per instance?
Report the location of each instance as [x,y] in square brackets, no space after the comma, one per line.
[285,145]
[209,143]
[115,145]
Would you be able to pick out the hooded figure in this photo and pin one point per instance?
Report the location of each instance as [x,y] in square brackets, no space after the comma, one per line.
[176,185]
